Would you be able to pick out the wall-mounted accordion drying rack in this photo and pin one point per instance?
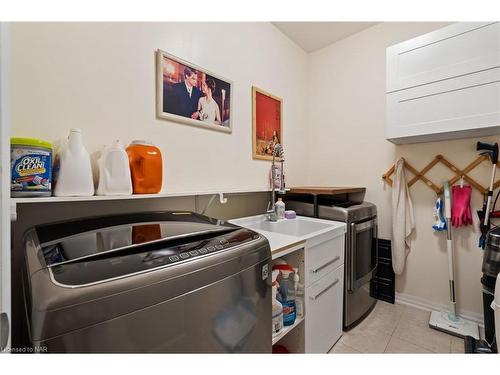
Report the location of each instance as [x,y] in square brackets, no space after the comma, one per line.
[459,173]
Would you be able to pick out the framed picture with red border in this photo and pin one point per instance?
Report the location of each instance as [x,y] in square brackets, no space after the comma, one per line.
[267,123]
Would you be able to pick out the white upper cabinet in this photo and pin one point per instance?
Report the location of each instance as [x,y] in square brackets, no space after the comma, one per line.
[444,84]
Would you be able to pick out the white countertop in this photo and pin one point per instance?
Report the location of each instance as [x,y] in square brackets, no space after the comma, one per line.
[280,241]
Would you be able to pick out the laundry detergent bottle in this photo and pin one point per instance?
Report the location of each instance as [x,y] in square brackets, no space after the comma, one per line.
[72,168]
[287,294]
[114,171]
[145,167]
[277,306]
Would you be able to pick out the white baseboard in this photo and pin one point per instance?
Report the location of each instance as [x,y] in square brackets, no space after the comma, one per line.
[420,303]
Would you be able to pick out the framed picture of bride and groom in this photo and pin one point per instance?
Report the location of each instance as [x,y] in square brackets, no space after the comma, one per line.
[192,95]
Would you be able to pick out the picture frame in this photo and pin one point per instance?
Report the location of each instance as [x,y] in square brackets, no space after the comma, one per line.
[189,94]
[267,123]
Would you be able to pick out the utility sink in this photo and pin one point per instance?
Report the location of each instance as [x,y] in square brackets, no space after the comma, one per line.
[292,227]
[300,227]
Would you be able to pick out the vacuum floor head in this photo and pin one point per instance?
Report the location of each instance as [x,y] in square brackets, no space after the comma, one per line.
[454,325]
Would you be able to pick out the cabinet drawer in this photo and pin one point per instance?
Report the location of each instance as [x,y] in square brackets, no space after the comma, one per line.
[323,323]
[323,258]
[444,84]
[454,51]
[464,104]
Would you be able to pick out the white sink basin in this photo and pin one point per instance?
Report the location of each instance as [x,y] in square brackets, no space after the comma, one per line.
[293,227]
[284,233]
[300,227]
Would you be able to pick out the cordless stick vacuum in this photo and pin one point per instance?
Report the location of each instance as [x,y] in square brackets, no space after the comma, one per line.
[450,322]
[484,215]
[488,279]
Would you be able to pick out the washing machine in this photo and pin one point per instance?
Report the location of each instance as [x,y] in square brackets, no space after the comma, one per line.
[161,282]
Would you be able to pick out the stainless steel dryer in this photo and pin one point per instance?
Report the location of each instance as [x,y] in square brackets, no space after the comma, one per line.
[360,248]
[360,255]
[165,282]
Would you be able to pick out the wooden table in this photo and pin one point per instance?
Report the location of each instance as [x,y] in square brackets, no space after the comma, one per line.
[324,190]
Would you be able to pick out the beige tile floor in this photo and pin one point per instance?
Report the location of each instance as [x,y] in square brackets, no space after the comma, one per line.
[396,329]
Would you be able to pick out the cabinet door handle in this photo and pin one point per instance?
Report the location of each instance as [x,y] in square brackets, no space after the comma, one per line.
[325,290]
[326,264]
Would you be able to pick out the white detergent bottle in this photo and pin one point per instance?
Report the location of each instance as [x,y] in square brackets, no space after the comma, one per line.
[299,293]
[72,168]
[114,171]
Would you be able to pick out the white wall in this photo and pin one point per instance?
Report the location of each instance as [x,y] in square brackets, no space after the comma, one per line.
[101,77]
[346,123]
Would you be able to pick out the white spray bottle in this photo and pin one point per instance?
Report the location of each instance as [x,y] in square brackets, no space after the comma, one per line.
[277,306]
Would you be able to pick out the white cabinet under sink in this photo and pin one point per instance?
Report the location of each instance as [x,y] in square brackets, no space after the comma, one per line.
[316,247]
[324,312]
[444,84]
[324,288]
[323,255]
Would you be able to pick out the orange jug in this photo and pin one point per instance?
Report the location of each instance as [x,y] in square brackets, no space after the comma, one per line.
[145,167]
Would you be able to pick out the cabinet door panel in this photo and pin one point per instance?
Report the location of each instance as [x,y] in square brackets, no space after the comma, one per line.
[323,258]
[324,301]
[453,51]
[464,104]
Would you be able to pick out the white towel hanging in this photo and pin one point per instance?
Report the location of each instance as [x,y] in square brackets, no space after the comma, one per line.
[403,221]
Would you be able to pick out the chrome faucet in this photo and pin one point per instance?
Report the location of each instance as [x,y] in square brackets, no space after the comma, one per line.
[271,207]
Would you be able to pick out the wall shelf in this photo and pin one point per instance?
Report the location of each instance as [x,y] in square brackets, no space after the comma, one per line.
[286,330]
[97,198]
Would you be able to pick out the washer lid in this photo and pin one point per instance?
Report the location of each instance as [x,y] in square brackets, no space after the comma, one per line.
[147,257]
[79,239]
[86,292]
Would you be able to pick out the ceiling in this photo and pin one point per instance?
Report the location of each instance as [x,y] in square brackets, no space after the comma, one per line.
[312,36]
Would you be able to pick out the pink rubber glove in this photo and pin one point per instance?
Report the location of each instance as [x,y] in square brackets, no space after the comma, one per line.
[460,206]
